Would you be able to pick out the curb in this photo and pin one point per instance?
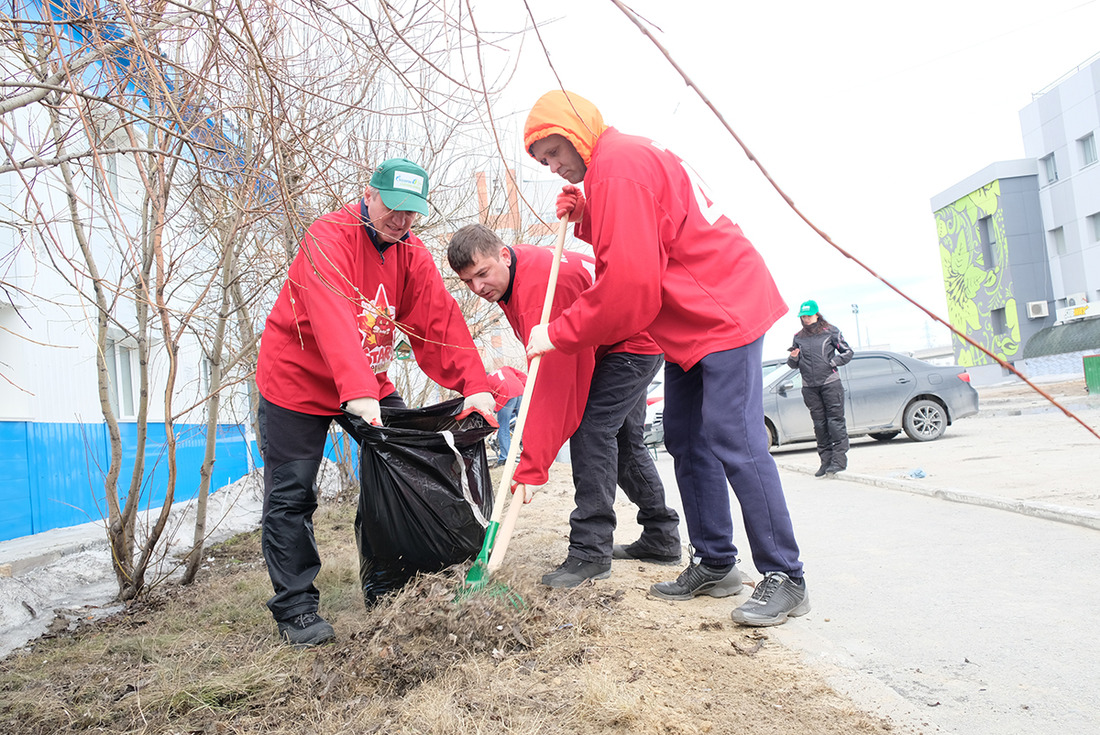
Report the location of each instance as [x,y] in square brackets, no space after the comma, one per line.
[1046,511]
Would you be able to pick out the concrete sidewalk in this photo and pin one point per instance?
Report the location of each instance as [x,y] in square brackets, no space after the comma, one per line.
[922,609]
[1019,454]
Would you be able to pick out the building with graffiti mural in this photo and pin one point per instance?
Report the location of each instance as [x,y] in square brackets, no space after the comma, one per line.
[1020,240]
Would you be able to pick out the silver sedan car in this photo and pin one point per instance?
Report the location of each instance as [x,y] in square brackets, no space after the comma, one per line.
[884,394]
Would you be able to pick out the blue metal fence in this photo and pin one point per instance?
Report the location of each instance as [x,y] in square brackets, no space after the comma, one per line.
[51,475]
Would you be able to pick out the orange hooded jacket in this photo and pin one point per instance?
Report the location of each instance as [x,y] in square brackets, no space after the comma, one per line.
[669,260]
[566,114]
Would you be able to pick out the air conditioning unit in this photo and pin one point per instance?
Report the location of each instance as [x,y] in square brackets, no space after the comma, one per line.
[1076,299]
[1037,309]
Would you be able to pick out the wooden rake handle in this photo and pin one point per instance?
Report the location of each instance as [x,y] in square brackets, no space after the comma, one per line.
[500,546]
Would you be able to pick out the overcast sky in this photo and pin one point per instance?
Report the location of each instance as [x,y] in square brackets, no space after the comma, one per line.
[861,110]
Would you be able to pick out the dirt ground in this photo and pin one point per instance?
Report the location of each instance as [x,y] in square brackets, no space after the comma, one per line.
[602,658]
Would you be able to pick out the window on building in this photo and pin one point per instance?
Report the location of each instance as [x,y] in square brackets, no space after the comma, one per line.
[1058,241]
[206,371]
[120,362]
[1000,325]
[987,236]
[110,172]
[1087,148]
[1050,168]
[1094,226]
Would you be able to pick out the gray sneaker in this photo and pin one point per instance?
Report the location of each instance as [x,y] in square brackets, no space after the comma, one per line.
[775,599]
[307,629]
[699,579]
[573,571]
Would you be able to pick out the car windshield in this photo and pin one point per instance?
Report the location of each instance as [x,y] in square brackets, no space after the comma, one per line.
[773,376]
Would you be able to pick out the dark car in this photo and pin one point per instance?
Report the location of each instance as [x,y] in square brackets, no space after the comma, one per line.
[884,394]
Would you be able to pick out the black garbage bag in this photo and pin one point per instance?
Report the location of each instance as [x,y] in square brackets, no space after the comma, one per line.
[425,494]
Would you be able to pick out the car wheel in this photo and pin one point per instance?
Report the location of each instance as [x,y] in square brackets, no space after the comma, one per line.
[773,440]
[924,421]
[884,436]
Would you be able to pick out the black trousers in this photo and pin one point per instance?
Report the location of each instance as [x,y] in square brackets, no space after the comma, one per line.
[607,449]
[292,445]
[826,404]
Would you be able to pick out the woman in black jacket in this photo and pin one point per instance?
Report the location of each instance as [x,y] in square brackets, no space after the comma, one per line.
[818,350]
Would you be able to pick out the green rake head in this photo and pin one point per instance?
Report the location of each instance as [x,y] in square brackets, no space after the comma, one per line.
[477,579]
[490,589]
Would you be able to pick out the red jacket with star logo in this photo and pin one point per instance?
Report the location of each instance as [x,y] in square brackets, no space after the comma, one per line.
[330,336]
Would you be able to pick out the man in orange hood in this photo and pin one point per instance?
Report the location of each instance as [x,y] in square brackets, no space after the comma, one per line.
[669,261]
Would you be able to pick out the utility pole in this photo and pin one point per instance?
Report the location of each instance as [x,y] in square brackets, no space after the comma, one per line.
[855,310]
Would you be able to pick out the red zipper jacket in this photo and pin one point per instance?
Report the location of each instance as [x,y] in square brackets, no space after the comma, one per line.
[561,388]
[668,260]
[330,336]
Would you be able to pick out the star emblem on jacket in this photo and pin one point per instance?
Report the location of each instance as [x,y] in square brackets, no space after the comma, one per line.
[376,328]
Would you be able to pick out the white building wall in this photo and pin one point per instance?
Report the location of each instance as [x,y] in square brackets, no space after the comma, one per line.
[48,370]
[1053,124]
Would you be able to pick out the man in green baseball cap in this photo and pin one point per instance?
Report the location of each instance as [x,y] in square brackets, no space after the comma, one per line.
[360,275]
[402,186]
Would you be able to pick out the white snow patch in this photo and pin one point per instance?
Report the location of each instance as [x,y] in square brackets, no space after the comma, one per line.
[67,572]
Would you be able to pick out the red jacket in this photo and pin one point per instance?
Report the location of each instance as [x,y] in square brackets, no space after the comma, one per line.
[668,260]
[330,336]
[561,387]
[506,383]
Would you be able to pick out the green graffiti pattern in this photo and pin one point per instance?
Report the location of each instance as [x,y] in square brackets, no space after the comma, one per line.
[975,288]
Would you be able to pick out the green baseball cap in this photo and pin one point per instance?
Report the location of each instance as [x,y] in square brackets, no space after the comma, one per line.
[808,308]
[403,185]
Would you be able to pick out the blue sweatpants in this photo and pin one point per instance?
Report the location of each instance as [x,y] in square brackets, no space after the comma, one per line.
[504,433]
[714,430]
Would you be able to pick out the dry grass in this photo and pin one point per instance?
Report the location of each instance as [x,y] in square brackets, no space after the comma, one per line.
[601,658]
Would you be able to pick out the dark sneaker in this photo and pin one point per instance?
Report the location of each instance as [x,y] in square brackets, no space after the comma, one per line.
[641,553]
[699,579]
[775,599]
[821,470]
[307,629]
[573,571]
[832,469]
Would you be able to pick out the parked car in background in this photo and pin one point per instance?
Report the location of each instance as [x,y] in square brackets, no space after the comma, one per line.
[884,394]
[771,366]
[653,431]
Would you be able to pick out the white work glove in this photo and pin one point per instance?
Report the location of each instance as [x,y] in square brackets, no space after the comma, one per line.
[483,403]
[367,409]
[539,342]
[527,494]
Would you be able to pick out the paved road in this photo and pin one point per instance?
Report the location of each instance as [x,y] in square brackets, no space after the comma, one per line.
[968,618]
